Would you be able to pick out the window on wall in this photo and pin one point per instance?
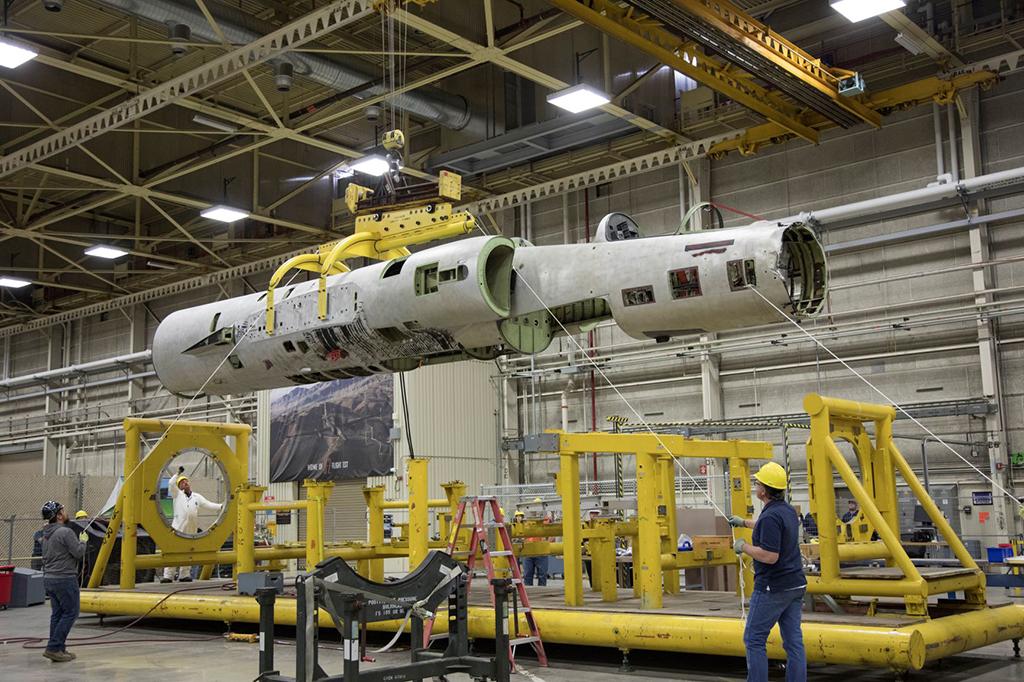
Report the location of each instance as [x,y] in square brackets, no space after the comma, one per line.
[684,283]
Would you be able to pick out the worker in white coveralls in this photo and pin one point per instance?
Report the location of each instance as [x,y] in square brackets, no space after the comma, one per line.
[186,518]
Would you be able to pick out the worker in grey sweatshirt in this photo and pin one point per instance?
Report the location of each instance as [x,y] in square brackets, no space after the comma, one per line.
[62,550]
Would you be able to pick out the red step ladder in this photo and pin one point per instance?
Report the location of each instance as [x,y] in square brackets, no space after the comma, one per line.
[478,542]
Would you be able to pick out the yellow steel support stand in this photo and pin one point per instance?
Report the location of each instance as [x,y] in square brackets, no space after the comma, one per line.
[875,492]
[669,544]
[649,561]
[419,511]
[602,557]
[739,498]
[319,493]
[109,539]
[129,509]
[245,544]
[569,489]
[136,504]
[649,557]
[453,492]
[373,569]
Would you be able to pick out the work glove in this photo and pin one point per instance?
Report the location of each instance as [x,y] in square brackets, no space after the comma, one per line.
[737,522]
[181,470]
[83,537]
[739,545]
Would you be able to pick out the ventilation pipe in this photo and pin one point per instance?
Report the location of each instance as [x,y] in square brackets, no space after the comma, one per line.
[446,109]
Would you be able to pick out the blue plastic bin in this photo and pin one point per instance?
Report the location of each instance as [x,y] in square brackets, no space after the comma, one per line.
[998,555]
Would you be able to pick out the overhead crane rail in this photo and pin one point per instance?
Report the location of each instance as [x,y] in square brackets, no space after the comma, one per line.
[728,32]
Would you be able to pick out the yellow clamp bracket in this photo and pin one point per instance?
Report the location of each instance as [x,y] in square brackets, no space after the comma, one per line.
[306,261]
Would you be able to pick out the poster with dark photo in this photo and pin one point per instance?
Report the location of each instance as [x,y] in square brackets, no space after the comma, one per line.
[332,431]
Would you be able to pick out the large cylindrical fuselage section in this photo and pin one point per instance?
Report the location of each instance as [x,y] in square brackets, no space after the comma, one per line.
[488,296]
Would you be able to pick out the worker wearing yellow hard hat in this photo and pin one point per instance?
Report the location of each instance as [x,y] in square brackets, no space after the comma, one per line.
[81,514]
[779,582]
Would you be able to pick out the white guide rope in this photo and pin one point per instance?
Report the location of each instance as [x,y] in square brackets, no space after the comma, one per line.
[887,398]
[597,367]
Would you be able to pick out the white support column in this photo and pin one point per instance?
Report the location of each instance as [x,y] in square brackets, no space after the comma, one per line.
[988,332]
[136,343]
[711,408]
[55,358]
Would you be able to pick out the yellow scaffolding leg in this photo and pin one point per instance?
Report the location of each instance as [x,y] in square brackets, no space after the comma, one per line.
[419,517]
[569,488]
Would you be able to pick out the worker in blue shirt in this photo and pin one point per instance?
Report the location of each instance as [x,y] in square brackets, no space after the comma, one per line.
[779,582]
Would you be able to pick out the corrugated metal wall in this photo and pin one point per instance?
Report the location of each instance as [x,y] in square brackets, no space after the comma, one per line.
[453,413]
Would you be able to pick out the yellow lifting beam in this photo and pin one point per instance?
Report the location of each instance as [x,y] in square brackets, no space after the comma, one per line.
[640,31]
[380,235]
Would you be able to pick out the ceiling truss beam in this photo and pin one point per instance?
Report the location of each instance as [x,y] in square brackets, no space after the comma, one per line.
[223,68]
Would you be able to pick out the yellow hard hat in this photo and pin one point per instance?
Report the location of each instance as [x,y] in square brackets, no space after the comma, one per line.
[81,514]
[180,479]
[536,500]
[772,475]
[519,512]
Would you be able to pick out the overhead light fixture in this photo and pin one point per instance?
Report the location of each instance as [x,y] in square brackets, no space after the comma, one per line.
[225,214]
[108,252]
[160,266]
[13,282]
[374,164]
[578,98]
[859,10]
[12,56]
[214,123]
[909,44]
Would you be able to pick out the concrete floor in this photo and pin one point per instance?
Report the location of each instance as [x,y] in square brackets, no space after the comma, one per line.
[215,659]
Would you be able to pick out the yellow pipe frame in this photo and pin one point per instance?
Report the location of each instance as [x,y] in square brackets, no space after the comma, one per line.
[656,524]
[875,492]
[419,518]
[908,647]
[373,569]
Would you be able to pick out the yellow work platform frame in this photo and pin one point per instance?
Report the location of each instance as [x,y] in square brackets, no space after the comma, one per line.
[832,420]
[656,562]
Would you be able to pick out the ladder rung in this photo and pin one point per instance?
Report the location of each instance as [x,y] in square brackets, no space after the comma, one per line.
[493,524]
[523,640]
[501,552]
[443,635]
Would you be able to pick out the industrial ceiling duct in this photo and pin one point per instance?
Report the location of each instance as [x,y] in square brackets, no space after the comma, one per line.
[446,109]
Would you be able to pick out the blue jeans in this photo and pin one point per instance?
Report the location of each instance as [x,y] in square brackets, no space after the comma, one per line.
[765,610]
[63,594]
[535,565]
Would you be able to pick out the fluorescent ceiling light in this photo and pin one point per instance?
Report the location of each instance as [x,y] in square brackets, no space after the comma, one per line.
[578,98]
[224,214]
[374,164]
[214,123]
[12,56]
[108,252]
[13,282]
[859,10]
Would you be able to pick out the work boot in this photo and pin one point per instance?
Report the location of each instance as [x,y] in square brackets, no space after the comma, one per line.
[73,657]
[186,579]
[58,656]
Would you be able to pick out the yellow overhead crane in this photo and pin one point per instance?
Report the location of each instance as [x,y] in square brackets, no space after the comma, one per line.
[788,115]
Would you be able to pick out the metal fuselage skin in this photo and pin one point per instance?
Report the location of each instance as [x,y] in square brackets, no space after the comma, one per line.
[484,297]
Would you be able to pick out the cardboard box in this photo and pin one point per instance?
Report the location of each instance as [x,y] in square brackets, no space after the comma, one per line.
[701,543]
